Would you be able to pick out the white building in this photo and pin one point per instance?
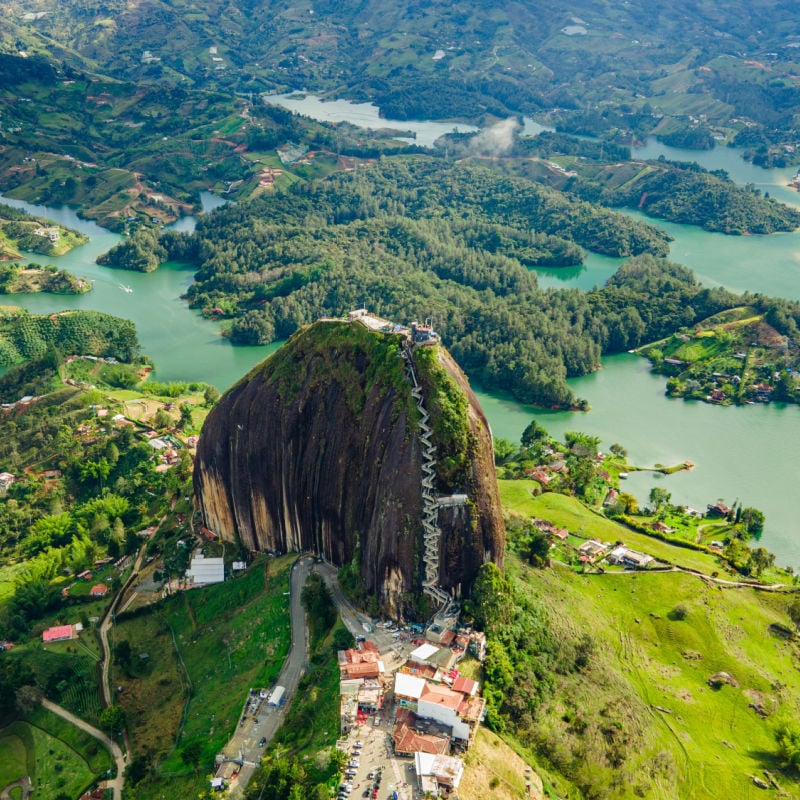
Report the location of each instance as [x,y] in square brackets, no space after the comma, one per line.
[442,705]
[434,771]
[206,570]
[408,689]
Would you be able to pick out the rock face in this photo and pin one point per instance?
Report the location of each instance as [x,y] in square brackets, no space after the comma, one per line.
[318,449]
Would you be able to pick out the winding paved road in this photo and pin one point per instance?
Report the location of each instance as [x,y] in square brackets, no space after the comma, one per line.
[244,740]
[117,783]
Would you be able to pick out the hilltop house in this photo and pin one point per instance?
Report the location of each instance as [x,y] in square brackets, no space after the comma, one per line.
[61,633]
[628,558]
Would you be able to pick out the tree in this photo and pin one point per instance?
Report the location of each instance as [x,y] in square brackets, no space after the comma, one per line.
[533,433]
[582,473]
[538,548]
[659,497]
[112,719]
[211,395]
[28,698]
[619,451]
[787,735]
[794,611]
[490,599]
[752,521]
[582,444]
[628,502]
[503,449]
[191,754]
[186,416]
[122,654]
[162,419]
[761,559]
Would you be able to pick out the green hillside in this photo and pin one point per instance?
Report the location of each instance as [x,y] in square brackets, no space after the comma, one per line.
[692,71]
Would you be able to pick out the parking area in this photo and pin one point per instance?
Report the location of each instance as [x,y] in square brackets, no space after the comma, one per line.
[371,754]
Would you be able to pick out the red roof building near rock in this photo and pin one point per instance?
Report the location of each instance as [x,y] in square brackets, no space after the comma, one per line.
[407,740]
[465,686]
[362,663]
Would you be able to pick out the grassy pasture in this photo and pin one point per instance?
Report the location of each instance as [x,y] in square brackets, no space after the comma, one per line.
[55,761]
[649,676]
[204,650]
[569,513]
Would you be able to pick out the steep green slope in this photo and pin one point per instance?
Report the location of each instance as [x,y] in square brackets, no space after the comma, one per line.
[641,719]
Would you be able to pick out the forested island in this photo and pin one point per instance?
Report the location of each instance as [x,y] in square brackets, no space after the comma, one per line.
[31,278]
[680,192]
[385,237]
[25,336]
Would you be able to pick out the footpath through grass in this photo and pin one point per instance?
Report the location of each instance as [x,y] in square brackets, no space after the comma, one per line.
[60,759]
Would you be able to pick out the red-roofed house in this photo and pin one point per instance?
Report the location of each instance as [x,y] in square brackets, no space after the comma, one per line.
[458,710]
[101,590]
[59,633]
[353,671]
[408,741]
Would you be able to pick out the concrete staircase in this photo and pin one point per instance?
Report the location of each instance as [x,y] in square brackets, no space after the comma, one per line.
[432,536]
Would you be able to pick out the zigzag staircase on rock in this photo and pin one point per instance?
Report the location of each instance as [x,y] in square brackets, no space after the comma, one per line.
[430,508]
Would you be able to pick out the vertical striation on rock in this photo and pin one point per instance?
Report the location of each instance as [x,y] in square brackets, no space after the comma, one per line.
[317,449]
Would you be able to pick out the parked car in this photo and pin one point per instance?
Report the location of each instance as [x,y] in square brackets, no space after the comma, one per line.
[262,741]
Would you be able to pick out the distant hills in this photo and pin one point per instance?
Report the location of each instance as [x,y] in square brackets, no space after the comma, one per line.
[692,71]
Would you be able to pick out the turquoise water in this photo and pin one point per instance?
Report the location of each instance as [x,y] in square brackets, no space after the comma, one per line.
[745,453]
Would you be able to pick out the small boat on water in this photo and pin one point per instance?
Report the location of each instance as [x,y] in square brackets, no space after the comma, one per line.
[126,289]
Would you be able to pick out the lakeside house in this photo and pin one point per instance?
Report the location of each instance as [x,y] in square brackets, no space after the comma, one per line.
[718,509]
[660,527]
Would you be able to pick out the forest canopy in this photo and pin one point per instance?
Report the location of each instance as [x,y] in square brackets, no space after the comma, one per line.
[417,238]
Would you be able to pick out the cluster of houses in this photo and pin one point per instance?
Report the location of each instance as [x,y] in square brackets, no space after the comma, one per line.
[438,710]
[592,551]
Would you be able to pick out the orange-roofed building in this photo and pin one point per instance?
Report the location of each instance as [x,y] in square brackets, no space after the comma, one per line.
[465,685]
[365,670]
[100,590]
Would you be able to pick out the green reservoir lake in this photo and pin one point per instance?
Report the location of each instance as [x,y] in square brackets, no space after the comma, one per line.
[748,453]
